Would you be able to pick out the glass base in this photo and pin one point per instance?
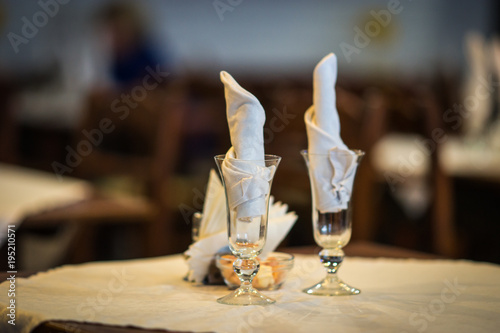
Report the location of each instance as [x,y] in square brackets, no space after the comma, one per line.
[246,297]
[331,288]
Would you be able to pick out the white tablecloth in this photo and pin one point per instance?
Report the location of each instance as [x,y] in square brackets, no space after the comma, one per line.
[408,155]
[25,191]
[397,295]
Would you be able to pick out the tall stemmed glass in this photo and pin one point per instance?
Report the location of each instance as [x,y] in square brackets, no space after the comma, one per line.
[247,235]
[332,230]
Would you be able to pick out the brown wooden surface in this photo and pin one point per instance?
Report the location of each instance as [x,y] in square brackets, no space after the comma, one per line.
[358,249]
[368,250]
[94,211]
[74,327]
[88,215]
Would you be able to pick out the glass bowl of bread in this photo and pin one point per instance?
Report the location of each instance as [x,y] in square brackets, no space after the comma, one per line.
[272,273]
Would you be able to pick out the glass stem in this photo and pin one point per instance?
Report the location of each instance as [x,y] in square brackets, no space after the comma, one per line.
[246,269]
[331,259]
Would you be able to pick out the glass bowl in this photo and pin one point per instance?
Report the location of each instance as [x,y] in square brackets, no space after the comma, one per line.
[272,272]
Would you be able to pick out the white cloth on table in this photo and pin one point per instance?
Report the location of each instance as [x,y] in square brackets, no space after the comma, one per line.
[397,295]
[25,191]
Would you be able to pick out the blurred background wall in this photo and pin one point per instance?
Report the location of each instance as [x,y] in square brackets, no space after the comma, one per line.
[253,38]
[266,36]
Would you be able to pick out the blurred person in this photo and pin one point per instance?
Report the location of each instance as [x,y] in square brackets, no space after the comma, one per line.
[130,76]
[130,49]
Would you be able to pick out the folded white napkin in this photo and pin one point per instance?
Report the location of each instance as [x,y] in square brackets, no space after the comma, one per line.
[248,182]
[214,215]
[333,177]
[477,82]
[201,253]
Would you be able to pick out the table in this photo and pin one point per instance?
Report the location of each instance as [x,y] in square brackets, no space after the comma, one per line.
[37,199]
[398,295]
[25,191]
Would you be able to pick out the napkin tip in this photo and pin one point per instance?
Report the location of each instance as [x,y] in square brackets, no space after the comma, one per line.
[223,75]
[228,80]
[329,60]
[331,55]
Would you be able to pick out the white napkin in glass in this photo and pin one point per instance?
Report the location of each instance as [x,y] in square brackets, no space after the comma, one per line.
[248,182]
[333,177]
[202,252]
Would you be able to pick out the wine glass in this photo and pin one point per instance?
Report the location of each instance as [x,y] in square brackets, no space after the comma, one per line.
[247,232]
[332,229]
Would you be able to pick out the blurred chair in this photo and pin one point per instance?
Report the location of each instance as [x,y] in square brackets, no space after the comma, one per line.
[445,238]
[149,138]
[407,161]
[146,169]
[8,126]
